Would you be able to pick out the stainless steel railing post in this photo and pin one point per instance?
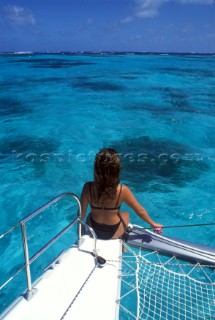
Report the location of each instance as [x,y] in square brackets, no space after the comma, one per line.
[79,230]
[26,254]
[31,291]
[79,218]
[82,223]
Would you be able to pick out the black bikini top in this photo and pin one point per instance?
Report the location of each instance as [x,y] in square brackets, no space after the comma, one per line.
[117,207]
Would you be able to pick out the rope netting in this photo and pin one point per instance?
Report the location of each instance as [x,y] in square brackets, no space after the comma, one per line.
[158,287]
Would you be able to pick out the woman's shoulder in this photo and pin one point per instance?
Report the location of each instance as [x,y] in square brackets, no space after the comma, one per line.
[87,185]
[89,182]
[124,188]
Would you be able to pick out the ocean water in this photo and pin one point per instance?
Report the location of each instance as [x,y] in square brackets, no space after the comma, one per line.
[58,110]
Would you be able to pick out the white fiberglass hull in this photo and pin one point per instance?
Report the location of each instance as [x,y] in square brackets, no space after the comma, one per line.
[76,288]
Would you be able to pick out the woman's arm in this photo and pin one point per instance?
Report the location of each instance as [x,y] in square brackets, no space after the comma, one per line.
[131,201]
[84,200]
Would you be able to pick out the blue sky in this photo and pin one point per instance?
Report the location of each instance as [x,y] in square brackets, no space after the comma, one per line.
[107,25]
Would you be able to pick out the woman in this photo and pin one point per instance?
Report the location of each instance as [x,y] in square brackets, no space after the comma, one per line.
[105,196]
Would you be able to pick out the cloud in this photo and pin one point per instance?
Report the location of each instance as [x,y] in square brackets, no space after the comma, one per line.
[196,1]
[150,8]
[19,16]
[89,21]
[210,36]
[127,19]
[189,28]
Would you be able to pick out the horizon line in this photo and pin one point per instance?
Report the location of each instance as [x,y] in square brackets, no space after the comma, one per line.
[106,52]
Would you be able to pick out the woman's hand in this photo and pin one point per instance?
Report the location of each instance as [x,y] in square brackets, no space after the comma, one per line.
[157,227]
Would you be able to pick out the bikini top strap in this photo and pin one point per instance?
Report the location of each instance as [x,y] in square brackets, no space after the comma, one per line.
[119,195]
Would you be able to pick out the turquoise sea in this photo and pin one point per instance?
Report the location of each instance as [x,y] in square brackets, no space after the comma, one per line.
[58,110]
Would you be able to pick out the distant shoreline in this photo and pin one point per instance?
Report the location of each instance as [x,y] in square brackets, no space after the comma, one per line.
[106,53]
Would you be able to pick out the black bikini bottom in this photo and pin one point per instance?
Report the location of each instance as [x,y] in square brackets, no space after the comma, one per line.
[104,231]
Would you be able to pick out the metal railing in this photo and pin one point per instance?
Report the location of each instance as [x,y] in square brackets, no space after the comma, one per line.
[30,291]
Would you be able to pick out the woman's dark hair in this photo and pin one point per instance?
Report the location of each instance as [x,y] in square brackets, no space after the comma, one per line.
[106,174]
